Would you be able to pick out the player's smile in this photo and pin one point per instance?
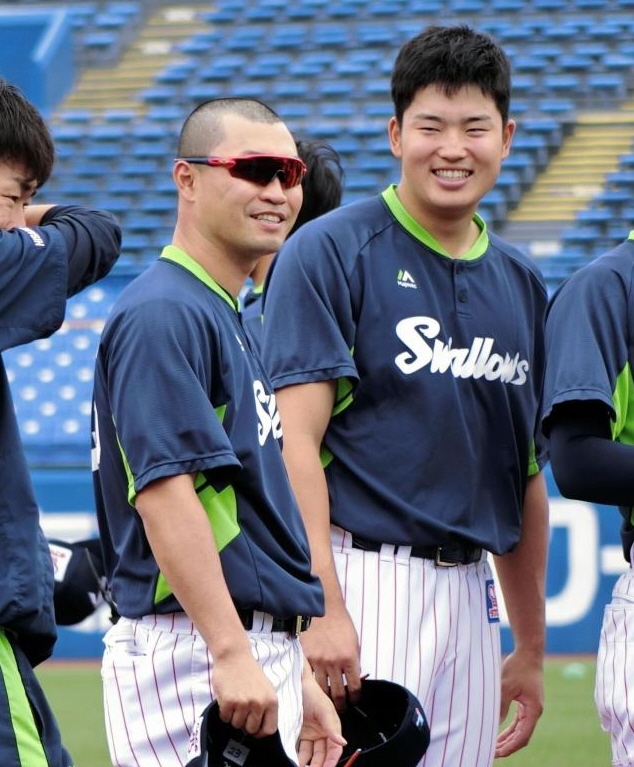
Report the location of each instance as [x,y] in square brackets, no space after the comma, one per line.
[272,218]
[447,174]
[451,148]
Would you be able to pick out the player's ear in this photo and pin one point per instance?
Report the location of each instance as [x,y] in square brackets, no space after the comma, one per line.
[507,137]
[394,136]
[184,177]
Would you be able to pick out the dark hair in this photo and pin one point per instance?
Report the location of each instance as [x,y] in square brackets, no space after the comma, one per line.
[203,130]
[323,182]
[24,136]
[450,58]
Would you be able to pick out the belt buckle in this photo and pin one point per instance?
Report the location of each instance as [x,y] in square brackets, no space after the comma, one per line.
[302,622]
[441,562]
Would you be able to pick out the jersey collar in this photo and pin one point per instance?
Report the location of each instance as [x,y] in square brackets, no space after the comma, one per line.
[412,226]
[178,256]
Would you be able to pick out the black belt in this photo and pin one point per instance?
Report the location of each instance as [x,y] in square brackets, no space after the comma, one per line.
[292,626]
[447,555]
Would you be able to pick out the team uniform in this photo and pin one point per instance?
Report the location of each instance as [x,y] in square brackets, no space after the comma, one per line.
[39,268]
[252,305]
[418,341]
[175,337]
[589,327]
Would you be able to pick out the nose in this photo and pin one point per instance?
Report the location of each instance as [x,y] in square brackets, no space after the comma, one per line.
[275,188]
[453,144]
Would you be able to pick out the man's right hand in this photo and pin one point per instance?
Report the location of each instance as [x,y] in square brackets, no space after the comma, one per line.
[331,646]
[246,698]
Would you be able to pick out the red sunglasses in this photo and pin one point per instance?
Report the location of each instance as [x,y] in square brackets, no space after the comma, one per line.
[260,169]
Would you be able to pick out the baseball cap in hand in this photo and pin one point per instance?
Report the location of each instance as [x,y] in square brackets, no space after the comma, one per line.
[79,573]
[215,743]
[387,726]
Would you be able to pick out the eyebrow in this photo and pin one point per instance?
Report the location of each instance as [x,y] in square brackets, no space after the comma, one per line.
[437,118]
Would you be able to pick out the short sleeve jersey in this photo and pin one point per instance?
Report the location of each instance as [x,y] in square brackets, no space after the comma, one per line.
[252,317]
[439,364]
[177,391]
[590,340]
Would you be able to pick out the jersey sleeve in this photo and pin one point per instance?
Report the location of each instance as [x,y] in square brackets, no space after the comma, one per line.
[159,378]
[40,266]
[587,326]
[308,330]
[92,239]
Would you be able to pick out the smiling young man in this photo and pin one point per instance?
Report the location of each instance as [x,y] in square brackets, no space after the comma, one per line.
[408,384]
[204,547]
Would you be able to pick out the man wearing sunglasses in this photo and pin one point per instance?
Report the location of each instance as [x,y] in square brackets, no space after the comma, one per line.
[205,551]
[322,186]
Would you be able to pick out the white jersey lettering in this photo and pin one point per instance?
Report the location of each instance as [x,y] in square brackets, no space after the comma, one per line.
[268,414]
[477,361]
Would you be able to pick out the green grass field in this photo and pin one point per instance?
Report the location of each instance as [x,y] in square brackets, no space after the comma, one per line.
[568,732]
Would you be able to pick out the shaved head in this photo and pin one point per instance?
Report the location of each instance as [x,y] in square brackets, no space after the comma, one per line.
[204,129]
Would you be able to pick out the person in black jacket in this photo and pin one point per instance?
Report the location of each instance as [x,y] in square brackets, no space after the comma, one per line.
[47,253]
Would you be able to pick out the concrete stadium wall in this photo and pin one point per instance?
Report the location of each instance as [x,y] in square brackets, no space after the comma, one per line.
[37,54]
[585,560]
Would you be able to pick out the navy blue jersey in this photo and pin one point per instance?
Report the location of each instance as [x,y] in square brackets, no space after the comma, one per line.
[39,268]
[177,391]
[252,316]
[589,337]
[439,364]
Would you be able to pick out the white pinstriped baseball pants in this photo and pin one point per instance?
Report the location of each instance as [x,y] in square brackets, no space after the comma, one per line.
[429,629]
[157,680]
[614,683]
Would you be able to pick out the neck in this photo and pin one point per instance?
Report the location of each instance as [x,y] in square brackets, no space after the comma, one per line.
[230,273]
[260,270]
[455,239]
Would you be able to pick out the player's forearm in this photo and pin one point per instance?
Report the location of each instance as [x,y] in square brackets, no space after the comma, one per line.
[522,573]
[183,545]
[305,412]
[309,484]
[34,213]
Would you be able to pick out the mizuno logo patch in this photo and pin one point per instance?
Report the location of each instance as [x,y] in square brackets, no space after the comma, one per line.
[405,279]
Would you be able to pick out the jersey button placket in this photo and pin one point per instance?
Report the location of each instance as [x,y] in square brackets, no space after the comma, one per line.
[461,292]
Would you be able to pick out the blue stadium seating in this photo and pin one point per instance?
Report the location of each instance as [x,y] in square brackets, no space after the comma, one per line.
[325,67]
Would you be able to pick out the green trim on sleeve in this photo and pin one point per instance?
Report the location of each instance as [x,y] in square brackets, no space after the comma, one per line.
[222,512]
[27,739]
[533,466]
[343,396]
[623,401]
[409,223]
[128,472]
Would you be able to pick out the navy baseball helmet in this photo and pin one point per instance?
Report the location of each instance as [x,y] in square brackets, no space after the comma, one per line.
[387,726]
[215,743]
[79,579]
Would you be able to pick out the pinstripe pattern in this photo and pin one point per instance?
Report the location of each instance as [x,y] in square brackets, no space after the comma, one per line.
[157,680]
[614,684]
[426,627]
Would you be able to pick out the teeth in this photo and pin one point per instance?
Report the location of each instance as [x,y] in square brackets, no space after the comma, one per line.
[267,217]
[452,174]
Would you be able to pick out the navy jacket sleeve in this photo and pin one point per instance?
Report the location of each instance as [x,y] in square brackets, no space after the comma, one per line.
[41,266]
